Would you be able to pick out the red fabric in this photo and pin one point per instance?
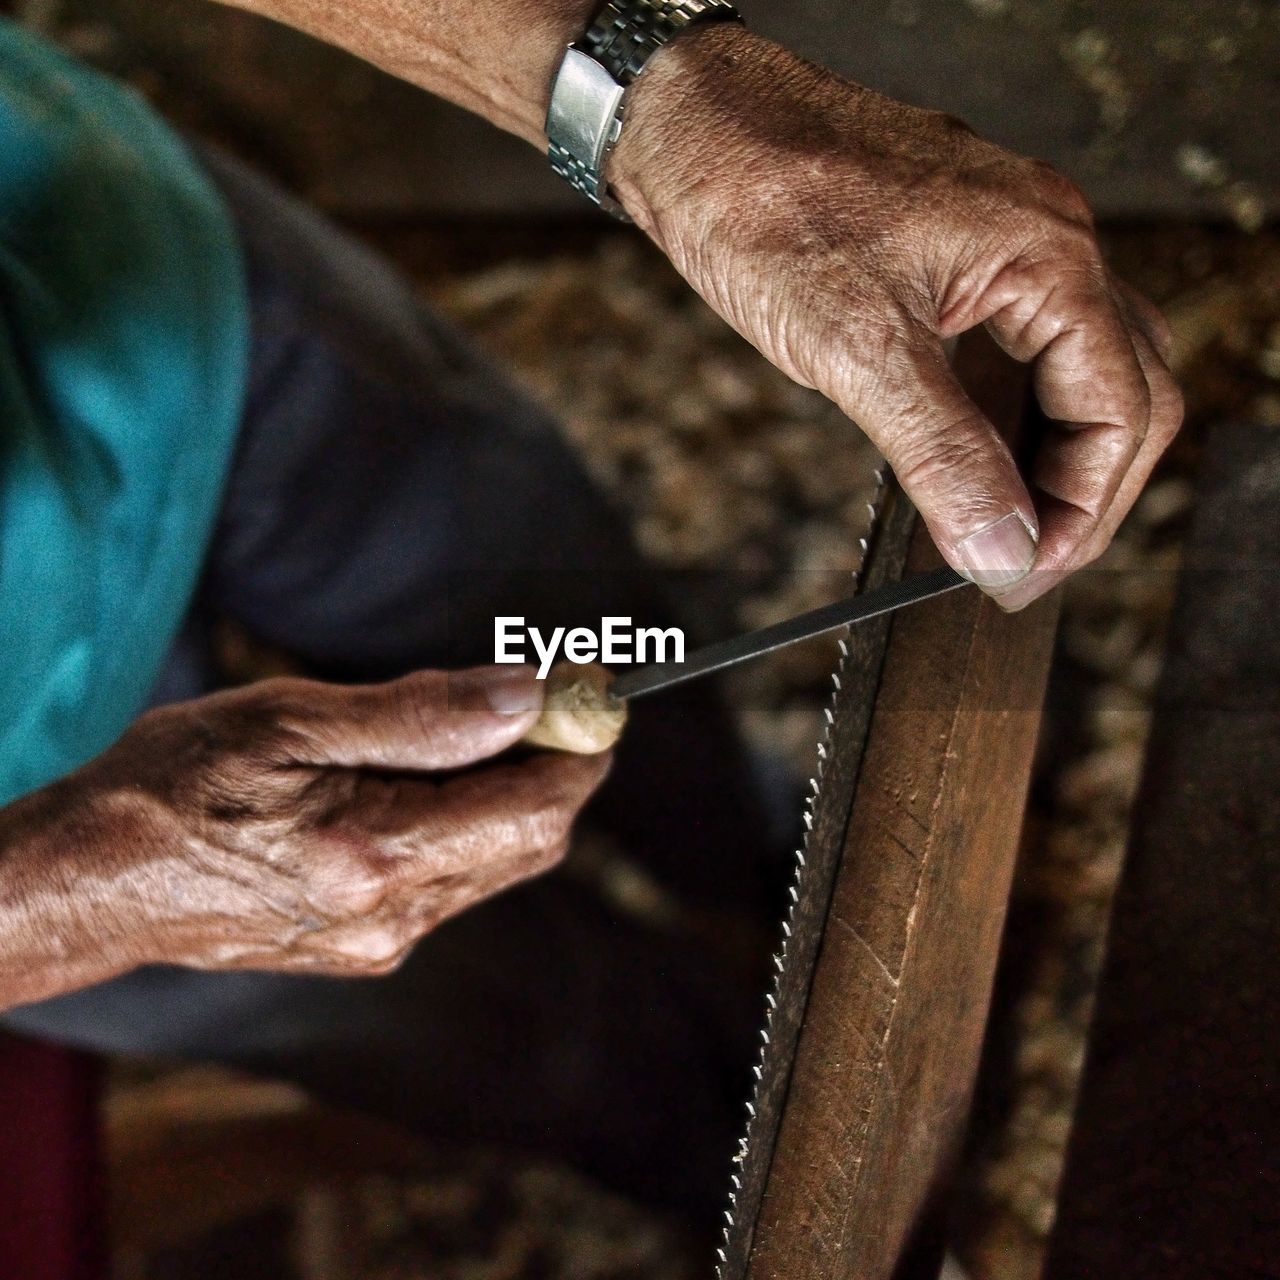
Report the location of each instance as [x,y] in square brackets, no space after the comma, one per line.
[50,1202]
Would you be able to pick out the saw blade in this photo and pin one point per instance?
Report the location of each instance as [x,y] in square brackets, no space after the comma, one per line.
[847,719]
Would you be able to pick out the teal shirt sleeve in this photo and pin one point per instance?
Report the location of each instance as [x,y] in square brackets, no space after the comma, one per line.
[123,352]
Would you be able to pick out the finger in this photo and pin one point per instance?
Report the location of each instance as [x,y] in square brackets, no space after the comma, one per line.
[360,947]
[432,907]
[1166,414]
[1166,419]
[426,831]
[428,720]
[380,943]
[1145,315]
[1089,382]
[953,464]
[442,848]
[379,946]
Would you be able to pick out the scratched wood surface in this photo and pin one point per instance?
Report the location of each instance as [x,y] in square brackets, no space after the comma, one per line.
[815,881]
[879,1089]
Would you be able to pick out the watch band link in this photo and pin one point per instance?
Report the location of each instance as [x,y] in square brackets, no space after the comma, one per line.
[585,115]
[625,34]
[583,177]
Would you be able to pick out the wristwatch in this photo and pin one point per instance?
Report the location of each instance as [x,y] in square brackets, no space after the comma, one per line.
[588,98]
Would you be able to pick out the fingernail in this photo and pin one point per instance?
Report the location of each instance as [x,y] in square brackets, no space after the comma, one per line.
[999,554]
[513,692]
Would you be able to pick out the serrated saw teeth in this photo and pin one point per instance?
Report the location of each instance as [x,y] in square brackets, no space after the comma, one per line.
[767,1054]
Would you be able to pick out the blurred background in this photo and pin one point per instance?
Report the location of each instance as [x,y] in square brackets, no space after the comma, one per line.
[1164,112]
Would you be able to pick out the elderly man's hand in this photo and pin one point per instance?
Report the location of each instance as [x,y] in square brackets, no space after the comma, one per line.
[298,826]
[847,235]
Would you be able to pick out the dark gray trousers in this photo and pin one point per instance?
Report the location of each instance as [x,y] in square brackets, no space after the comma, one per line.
[390,494]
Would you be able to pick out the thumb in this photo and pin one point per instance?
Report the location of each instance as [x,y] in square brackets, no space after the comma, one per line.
[955,467]
[427,720]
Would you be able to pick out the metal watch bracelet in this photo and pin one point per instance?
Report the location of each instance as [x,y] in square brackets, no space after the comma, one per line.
[588,98]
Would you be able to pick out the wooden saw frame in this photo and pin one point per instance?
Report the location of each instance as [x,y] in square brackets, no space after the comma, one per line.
[876,1019]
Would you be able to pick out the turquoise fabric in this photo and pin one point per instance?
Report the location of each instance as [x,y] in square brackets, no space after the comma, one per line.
[123,351]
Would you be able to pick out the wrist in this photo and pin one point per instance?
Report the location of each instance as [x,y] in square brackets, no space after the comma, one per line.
[70,913]
[679,138]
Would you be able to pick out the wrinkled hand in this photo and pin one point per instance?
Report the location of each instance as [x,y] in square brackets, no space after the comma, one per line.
[847,235]
[294,826]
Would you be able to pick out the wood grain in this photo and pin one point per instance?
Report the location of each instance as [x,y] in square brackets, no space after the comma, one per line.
[815,881]
[879,1089]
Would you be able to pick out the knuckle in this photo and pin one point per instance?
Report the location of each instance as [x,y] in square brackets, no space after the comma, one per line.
[951,126]
[1114,448]
[167,732]
[1076,247]
[278,692]
[1136,408]
[548,824]
[217,745]
[377,950]
[152,721]
[421,698]
[1063,195]
[952,459]
[1162,334]
[381,968]
[535,861]
[277,702]
[1171,421]
[357,892]
[1091,551]
[267,720]
[553,855]
[1168,411]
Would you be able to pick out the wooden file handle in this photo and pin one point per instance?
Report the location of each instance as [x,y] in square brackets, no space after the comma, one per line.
[579,714]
